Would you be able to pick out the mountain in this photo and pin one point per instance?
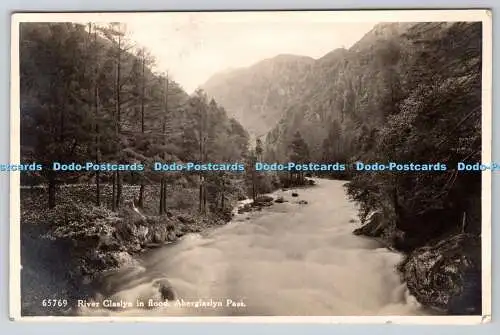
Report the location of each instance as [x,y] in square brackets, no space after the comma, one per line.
[349,93]
[257,95]
[261,95]
[344,89]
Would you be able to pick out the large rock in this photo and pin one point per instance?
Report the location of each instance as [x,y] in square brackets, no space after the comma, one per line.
[263,200]
[166,289]
[245,208]
[171,236]
[139,231]
[447,275]
[374,225]
[159,236]
[310,182]
[184,218]
[280,200]
[123,259]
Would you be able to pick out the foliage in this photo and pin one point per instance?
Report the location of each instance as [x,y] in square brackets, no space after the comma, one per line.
[89,95]
[439,120]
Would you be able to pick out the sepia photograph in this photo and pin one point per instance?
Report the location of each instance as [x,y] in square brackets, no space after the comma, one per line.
[303,166]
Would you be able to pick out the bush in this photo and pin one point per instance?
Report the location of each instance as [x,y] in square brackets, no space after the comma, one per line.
[267,182]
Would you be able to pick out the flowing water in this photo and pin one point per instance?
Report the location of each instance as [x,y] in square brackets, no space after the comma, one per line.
[288,259]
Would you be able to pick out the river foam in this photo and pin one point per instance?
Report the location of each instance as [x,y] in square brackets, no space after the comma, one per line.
[288,259]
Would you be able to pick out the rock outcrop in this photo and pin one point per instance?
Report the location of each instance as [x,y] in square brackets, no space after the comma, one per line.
[443,274]
[374,225]
[447,275]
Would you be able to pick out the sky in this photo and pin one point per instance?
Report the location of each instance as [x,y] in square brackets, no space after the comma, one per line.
[194,46]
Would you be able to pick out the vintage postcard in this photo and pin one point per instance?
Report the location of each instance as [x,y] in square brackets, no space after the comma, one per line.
[278,166]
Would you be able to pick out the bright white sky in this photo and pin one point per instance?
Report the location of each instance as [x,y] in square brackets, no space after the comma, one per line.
[194,46]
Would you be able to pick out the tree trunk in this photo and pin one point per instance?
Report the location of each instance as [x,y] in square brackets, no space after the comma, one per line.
[113,194]
[164,199]
[162,210]
[141,196]
[254,193]
[141,190]
[97,148]
[204,198]
[223,193]
[118,177]
[96,120]
[119,189]
[199,197]
[52,188]
[163,186]
[97,188]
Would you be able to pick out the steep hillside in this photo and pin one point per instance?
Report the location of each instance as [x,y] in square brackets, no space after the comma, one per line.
[256,96]
[346,88]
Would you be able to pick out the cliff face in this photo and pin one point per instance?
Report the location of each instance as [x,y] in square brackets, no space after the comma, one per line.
[346,89]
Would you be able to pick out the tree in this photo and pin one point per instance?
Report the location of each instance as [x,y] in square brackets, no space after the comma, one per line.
[437,119]
[54,113]
[88,95]
[251,179]
[163,182]
[332,145]
[299,153]
[116,34]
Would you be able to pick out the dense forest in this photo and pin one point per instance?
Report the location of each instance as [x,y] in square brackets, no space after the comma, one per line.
[88,94]
[405,92]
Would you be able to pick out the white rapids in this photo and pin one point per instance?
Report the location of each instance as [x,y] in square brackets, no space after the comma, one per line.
[288,259]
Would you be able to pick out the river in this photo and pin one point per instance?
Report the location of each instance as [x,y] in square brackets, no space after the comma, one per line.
[288,259]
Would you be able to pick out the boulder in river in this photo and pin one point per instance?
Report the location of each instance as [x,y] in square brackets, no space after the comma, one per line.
[263,199]
[295,194]
[171,236]
[158,237]
[245,208]
[166,290]
[447,275]
[280,200]
[374,226]
[302,202]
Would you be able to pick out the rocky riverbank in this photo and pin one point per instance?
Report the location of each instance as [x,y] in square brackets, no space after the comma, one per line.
[443,274]
[73,243]
[66,248]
